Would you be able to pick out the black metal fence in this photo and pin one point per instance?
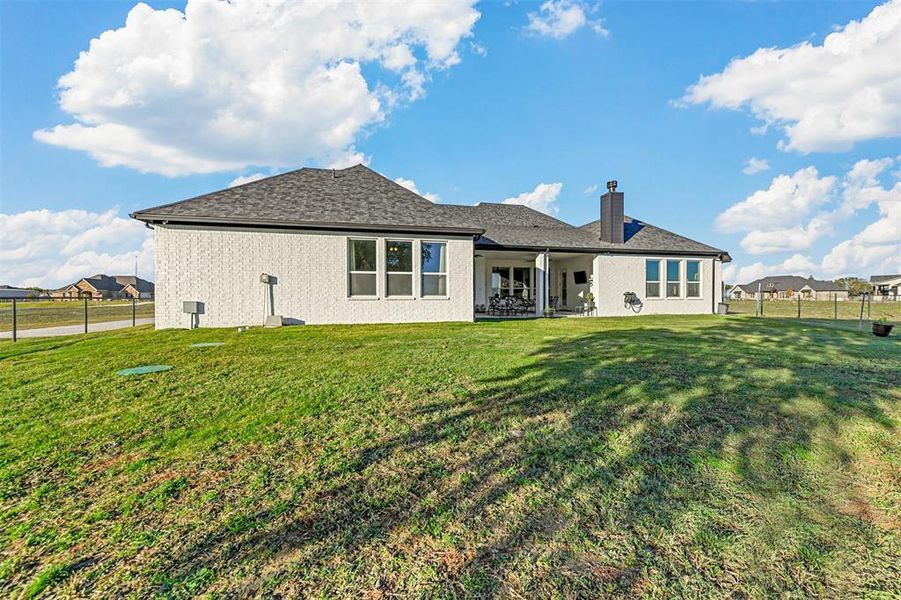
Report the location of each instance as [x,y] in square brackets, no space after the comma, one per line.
[865,307]
[20,317]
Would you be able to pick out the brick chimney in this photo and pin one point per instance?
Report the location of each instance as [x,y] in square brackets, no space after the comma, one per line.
[612,215]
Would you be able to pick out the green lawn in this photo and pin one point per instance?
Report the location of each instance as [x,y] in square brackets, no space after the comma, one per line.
[34,315]
[648,456]
[819,309]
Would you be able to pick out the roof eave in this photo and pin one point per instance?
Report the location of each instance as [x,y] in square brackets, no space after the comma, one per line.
[595,250]
[152,218]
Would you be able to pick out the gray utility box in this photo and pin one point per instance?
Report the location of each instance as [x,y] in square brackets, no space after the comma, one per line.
[194,308]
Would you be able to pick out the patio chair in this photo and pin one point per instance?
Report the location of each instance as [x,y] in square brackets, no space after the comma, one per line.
[494,305]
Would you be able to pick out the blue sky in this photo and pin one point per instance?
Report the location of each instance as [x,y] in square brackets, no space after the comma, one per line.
[587,93]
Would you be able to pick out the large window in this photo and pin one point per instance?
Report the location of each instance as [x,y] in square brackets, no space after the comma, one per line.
[693,279]
[434,269]
[512,281]
[361,268]
[399,267]
[652,279]
[522,282]
[672,279]
[500,281]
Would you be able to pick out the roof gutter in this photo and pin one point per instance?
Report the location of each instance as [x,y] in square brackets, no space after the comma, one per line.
[151,218]
[644,252]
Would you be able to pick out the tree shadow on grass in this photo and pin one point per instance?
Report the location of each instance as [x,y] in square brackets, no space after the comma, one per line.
[623,461]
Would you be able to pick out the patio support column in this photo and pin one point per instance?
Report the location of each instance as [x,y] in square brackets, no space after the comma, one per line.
[542,262]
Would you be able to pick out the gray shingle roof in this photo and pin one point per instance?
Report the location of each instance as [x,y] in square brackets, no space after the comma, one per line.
[359,198]
[115,283]
[104,283]
[781,283]
[883,278]
[142,285]
[356,197]
[640,236]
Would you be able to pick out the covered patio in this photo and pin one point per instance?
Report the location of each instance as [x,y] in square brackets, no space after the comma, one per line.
[524,283]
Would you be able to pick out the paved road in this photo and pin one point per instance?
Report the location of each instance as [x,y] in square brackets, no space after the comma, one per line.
[74,329]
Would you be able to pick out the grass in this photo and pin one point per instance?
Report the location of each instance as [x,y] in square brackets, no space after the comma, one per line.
[650,456]
[34,315]
[819,309]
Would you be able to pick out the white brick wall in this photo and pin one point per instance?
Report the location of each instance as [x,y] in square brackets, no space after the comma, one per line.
[221,267]
[615,274]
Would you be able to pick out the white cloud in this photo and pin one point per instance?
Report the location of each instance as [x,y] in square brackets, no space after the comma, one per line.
[824,98]
[560,18]
[784,203]
[756,165]
[241,180]
[411,185]
[850,257]
[797,264]
[347,158]
[255,84]
[800,237]
[876,248]
[590,189]
[542,198]
[478,49]
[49,249]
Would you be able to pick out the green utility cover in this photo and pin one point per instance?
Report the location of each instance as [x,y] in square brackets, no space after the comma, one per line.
[144,370]
[207,344]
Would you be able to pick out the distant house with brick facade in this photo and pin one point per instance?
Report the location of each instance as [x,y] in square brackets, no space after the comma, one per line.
[786,287]
[107,287]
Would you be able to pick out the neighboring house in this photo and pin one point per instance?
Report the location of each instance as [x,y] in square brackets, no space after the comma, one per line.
[106,287]
[8,292]
[351,246]
[887,287]
[786,287]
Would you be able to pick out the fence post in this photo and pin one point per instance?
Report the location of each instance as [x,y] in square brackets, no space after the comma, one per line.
[799,306]
[14,320]
[869,306]
[835,306]
[860,319]
[132,311]
[85,314]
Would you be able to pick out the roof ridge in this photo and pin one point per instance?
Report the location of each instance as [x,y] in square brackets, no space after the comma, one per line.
[234,187]
[391,181]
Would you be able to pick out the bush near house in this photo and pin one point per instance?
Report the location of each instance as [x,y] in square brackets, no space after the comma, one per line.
[663,456]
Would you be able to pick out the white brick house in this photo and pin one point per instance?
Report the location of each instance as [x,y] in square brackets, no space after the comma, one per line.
[350,246]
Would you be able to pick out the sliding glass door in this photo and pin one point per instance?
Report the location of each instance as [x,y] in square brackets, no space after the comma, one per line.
[500,281]
[512,281]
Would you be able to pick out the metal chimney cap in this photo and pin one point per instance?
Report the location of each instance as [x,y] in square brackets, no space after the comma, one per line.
[611,185]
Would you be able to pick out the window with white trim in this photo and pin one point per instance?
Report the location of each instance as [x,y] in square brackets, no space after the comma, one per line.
[399,267]
[652,279]
[361,268]
[693,279]
[434,268]
[673,279]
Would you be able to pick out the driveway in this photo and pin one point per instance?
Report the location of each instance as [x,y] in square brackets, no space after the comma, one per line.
[73,329]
